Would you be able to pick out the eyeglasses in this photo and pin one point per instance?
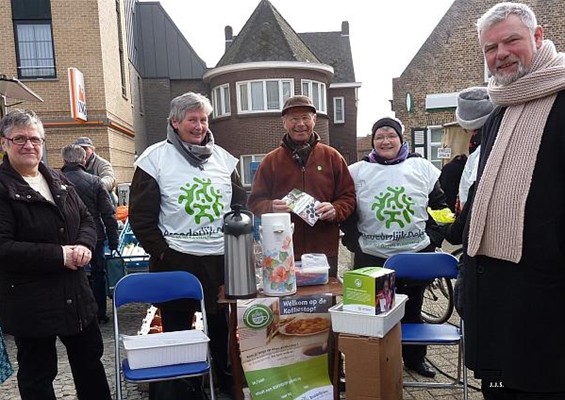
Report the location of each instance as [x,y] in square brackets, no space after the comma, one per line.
[22,140]
[389,137]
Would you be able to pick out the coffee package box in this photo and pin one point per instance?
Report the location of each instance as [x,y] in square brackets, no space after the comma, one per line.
[369,290]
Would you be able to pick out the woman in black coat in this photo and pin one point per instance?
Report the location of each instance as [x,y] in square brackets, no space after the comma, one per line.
[46,238]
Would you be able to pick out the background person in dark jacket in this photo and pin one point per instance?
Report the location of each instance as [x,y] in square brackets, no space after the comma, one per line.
[93,194]
[450,178]
[46,238]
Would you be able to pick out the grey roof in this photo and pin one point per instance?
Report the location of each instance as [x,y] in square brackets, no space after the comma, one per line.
[266,36]
[164,51]
[334,49]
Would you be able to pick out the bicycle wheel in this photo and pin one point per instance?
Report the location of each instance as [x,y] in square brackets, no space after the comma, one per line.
[438,301]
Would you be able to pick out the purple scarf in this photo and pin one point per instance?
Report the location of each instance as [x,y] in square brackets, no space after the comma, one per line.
[401,156]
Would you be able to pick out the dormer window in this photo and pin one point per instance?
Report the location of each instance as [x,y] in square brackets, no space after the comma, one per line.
[317,92]
[263,95]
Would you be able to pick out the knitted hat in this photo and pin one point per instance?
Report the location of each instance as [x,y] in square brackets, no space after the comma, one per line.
[473,107]
[391,122]
[298,101]
[84,142]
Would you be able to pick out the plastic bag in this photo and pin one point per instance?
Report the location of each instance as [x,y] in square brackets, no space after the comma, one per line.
[115,270]
[443,216]
[5,366]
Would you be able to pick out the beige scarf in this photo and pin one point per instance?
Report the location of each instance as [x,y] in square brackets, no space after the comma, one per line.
[497,218]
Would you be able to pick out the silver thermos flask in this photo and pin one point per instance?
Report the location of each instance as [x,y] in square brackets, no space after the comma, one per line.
[239,257]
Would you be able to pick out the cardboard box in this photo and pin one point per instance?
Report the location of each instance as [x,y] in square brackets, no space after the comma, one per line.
[369,290]
[373,366]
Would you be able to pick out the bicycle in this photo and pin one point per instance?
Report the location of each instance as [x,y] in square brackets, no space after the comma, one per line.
[438,302]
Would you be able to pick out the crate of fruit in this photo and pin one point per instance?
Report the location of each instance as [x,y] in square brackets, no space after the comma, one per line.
[134,256]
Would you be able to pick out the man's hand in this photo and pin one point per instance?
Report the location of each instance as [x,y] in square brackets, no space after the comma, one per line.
[280,206]
[326,211]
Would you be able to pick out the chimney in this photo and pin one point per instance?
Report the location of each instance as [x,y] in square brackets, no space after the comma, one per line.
[344,28]
[228,31]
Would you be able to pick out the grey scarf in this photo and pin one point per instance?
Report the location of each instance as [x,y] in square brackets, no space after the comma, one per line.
[196,155]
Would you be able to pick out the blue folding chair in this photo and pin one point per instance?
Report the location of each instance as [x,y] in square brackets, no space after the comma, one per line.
[158,287]
[427,267]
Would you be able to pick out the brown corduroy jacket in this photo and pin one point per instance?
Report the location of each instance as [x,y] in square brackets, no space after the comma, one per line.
[325,177]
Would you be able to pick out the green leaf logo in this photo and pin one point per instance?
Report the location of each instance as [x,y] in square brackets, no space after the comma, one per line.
[393,206]
[202,200]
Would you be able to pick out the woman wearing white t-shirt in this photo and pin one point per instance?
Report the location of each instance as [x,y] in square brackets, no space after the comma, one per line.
[393,190]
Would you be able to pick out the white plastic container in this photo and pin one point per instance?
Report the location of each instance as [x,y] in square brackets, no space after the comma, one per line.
[313,269]
[365,324]
[168,348]
[279,277]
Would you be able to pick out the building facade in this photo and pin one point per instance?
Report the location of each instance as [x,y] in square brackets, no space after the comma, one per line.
[41,39]
[130,59]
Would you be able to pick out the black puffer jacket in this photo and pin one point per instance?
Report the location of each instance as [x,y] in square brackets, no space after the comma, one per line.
[96,198]
[39,296]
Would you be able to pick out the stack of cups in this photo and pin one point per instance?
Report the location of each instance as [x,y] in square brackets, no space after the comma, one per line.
[279,277]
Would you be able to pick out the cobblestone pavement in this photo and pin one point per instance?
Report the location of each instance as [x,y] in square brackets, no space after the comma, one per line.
[444,358]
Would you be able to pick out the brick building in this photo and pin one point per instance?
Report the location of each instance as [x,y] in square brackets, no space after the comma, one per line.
[134,60]
[424,96]
[41,39]
[262,66]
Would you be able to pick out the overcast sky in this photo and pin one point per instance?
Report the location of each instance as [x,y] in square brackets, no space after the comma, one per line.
[384,34]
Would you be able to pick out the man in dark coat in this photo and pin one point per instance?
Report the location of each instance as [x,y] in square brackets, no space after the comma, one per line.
[514,285]
[93,194]
[450,177]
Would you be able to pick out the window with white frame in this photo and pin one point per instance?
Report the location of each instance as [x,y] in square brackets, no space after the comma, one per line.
[263,95]
[339,110]
[249,164]
[317,92]
[435,134]
[34,39]
[221,100]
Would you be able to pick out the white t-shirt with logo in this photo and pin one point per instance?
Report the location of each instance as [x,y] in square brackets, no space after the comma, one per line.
[391,205]
[193,201]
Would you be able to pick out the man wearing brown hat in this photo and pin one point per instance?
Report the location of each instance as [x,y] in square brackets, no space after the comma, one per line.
[97,165]
[304,163]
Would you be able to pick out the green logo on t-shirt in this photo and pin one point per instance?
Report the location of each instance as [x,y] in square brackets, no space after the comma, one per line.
[201,200]
[393,206]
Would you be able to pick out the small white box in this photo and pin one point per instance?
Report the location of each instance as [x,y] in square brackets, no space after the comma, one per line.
[168,348]
[365,324]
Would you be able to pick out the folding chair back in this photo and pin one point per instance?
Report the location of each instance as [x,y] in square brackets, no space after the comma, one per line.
[158,287]
[423,266]
[426,267]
